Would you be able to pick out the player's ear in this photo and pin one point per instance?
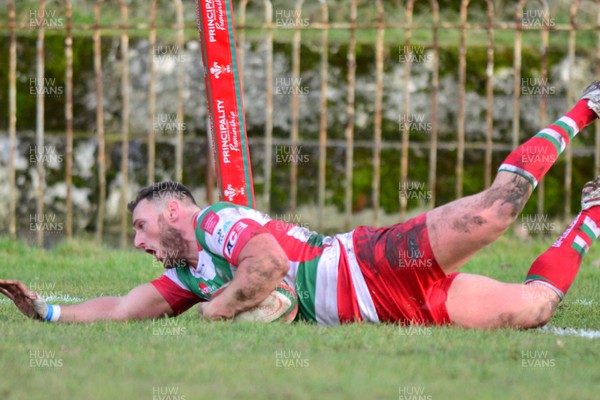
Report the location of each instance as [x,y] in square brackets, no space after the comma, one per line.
[172,210]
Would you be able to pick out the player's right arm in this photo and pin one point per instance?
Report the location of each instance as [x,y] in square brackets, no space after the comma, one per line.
[142,302]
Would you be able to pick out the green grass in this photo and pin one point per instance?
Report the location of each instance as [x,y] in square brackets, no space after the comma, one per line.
[197,359]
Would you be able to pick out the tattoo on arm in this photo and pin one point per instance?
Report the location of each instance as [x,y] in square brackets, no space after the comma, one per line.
[241,295]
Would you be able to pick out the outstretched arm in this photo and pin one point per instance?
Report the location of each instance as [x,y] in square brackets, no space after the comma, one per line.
[142,302]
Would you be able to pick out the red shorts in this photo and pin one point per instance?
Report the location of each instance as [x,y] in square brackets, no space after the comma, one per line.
[406,283]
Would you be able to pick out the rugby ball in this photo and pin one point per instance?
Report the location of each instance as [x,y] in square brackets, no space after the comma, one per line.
[280,305]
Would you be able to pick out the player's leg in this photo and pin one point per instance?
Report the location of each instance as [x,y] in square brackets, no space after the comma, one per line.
[475,301]
[557,267]
[459,229]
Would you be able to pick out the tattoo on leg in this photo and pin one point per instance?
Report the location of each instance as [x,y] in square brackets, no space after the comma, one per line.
[517,195]
[514,193]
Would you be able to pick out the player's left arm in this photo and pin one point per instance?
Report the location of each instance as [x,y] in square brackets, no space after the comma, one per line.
[262,264]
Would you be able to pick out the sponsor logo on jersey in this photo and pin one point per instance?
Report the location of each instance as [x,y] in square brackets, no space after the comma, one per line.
[204,288]
[233,237]
[220,236]
[210,222]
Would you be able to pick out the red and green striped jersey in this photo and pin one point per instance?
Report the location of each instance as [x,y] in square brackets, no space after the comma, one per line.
[323,270]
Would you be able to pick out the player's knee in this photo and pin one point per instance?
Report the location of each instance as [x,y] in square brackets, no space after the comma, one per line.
[505,200]
[541,314]
[499,216]
[536,313]
[506,215]
[498,220]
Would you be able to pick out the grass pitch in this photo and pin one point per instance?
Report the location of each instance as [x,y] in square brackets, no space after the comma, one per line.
[185,359]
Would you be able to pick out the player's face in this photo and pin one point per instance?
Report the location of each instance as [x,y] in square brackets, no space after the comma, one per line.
[156,236]
[145,226]
[173,246]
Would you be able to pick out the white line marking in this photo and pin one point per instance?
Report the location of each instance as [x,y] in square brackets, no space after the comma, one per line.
[585,333]
[584,302]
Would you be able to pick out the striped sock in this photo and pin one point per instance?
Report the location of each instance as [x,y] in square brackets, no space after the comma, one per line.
[558,266]
[534,158]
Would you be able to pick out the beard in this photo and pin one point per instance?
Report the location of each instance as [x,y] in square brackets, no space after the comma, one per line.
[173,245]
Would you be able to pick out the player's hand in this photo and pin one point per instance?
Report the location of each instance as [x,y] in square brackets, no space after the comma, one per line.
[207,311]
[201,310]
[22,297]
[210,309]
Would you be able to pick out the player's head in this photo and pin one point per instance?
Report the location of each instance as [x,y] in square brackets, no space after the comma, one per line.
[160,193]
[161,215]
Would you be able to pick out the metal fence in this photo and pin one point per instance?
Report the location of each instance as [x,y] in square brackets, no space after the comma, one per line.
[269,27]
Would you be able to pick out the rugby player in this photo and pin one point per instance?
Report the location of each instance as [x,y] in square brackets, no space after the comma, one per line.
[406,273]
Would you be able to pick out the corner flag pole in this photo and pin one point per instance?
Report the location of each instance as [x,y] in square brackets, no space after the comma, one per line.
[224,98]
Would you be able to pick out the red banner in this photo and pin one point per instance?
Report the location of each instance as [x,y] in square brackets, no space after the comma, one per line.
[224,98]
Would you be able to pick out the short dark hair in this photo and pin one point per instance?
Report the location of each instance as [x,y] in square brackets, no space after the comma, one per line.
[160,191]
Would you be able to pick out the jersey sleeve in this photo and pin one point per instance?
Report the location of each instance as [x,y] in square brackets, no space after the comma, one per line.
[224,229]
[179,298]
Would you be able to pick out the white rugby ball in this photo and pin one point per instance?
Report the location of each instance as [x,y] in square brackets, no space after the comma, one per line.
[280,305]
